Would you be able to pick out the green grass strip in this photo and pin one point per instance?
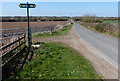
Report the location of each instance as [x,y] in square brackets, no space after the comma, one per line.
[63,31]
[56,61]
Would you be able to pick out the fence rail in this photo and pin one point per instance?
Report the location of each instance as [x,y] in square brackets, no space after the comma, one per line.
[11,42]
[13,50]
[15,46]
[12,39]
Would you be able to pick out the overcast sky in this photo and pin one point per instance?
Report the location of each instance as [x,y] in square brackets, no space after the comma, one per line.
[106,9]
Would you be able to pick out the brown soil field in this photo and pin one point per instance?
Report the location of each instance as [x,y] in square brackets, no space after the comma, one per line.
[7,36]
[11,25]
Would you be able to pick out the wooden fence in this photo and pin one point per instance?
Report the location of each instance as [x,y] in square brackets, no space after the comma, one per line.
[13,40]
[15,46]
[13,50]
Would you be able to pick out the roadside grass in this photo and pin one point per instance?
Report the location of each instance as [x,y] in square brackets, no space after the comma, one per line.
[117,35]
[57,61]
[105,33]
[63,31]
[111,21]
[89,28]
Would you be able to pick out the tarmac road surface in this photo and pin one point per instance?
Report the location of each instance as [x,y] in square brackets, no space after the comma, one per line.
[107,46]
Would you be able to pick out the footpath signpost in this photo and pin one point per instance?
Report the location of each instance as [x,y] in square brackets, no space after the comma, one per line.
[24,5]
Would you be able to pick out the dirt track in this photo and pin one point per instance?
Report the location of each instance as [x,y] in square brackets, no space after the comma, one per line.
[75,42]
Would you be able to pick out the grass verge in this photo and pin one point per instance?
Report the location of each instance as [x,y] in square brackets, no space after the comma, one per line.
[111,21]
[89,28]
[117,36]
[63,31]
[56,61]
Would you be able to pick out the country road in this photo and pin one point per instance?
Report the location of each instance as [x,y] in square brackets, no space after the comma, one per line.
[104,46]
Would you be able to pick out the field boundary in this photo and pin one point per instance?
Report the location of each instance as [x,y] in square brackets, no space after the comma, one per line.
[9,55]
[13,50]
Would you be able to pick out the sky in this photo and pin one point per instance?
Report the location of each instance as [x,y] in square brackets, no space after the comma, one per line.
[102,9]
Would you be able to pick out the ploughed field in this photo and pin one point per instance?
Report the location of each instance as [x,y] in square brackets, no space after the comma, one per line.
[11,25]
[12,31]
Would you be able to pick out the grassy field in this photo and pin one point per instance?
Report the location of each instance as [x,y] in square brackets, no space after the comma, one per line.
[110,21]
[63,31]
[56,61]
